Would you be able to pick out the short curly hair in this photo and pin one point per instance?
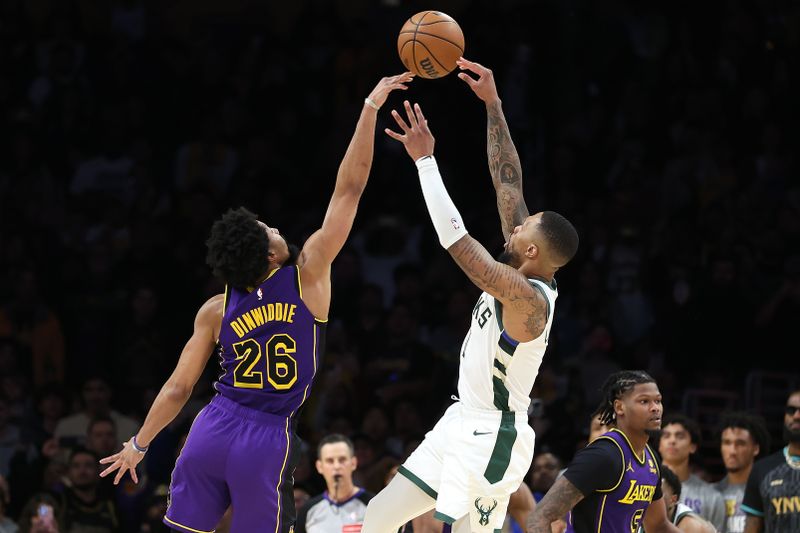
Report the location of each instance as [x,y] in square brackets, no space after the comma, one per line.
[561,235]
[238,248]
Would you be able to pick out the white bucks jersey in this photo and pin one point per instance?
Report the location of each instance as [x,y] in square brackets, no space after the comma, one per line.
[497,372]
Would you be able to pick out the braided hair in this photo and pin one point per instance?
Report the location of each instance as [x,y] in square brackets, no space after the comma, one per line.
[615,387]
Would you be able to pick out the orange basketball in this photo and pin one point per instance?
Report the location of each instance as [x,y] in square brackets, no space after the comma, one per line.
[429,44]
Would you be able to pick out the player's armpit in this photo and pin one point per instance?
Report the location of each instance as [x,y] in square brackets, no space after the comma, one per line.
[506,284]
[558,501]
[200,345]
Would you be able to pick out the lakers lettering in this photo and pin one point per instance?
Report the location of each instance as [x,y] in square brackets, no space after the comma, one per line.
[638,493]
[785,505]
[274,312]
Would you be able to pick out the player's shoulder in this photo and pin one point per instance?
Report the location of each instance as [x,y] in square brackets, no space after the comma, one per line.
[768,463]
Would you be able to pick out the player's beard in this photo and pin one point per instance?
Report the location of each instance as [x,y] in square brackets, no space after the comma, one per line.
[508,257]
[294,253]
[790,435]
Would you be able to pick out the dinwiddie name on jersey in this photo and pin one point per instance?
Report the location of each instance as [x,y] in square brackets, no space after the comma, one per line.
[258,316]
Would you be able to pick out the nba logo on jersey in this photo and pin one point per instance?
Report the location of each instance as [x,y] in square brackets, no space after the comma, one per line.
[259,293]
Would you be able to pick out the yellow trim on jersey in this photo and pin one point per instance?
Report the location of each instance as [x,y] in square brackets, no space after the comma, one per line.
[225,300]
[602,509]
[314,357]
[280,479]
[653,457]
[622,454]
[644,455]
[271,274]
[174,523]
[299,283]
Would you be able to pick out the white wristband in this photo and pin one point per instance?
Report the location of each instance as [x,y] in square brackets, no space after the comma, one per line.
[444,215]
[370,103]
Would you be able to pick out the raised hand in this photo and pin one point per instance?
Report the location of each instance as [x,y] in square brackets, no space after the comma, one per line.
[389,84]
[123,461]
[416,137]
[484,86]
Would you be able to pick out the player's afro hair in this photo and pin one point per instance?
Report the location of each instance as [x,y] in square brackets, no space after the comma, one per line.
[238,248]
[560,234]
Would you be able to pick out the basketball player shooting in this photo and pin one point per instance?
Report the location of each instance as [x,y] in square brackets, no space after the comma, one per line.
[478,453]
[268,329]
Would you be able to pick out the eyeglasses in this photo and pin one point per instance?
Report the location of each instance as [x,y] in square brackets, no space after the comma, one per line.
[792,410]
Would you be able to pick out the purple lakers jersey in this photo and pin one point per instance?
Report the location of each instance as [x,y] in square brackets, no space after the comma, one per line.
[269,345]
[620,509]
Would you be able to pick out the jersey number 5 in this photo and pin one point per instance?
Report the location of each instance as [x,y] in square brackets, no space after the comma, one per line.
[281,366]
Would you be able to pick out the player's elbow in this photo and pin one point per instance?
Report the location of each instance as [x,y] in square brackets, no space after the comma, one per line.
[178,390]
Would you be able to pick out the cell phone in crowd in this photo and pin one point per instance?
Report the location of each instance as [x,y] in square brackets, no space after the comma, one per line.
[45,513]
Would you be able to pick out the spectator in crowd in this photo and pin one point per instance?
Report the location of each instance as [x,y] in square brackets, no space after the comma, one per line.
[743,437]
[679,514]
[41,515]
[680,438]
[96,395]
[83,506]
[6,524]
[545,470]
[773,488]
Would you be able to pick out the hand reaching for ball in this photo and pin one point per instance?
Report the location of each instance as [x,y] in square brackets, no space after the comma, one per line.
[484,86]
[416,137]
[389,84]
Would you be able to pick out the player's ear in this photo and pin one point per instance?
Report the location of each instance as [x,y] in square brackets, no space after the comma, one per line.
[354,461]
[318,464]
[532,252]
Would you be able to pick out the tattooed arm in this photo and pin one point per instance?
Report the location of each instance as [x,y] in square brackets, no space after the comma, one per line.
[558,501]
[526,308]
[504,164]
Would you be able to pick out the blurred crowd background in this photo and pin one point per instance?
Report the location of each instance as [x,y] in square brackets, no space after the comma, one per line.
[665,131]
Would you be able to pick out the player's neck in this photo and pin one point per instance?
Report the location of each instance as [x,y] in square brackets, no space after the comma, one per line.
[637,439]
[739,477]
[681,469]
[794,448]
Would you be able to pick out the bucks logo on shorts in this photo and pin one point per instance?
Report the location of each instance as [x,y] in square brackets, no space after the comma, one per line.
[484,519]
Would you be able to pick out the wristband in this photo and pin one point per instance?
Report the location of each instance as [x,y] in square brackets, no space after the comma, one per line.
[137,447]
[370,103]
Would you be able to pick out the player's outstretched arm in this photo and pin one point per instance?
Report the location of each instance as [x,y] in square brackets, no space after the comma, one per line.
[175,392]
[504,164]
[324,245]
[558,501]
[656,519]
[501,281]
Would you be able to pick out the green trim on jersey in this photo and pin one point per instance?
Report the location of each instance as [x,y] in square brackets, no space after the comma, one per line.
[505,345]
[408,474]
[500,393]
[500,366]
[498,312]
[501,454]
[443,518]
[546,299]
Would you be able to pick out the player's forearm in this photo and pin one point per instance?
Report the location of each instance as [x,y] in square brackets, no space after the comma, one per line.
[357,162]
[538,523]
[505,168]
[167,405]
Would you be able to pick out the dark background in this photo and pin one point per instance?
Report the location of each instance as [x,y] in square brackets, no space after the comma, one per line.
[666,133]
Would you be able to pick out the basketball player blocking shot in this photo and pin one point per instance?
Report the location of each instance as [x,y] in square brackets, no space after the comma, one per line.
[268,329]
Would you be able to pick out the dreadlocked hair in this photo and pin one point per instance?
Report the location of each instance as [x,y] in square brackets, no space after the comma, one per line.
[238,248]
[615,387]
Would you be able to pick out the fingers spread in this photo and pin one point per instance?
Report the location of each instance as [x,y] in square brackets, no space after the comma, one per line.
[394,135]
[468,79]
[400,121]
[419,116]
[412,120]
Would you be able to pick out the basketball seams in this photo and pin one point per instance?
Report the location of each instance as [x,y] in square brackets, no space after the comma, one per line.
[432,57]
[440,38]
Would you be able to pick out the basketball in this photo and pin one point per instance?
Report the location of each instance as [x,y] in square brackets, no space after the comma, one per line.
[429,44]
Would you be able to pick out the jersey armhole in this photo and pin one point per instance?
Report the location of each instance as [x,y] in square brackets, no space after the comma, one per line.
[226,299]
[622,468]
[536,286]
